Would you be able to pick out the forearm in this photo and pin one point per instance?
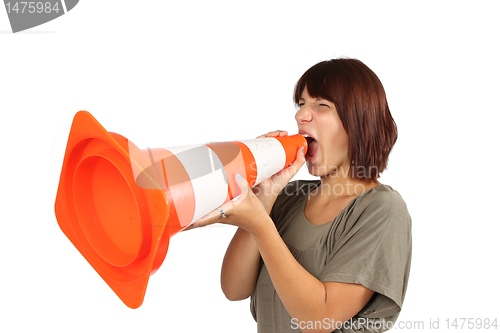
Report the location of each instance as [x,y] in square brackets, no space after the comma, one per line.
[240,266]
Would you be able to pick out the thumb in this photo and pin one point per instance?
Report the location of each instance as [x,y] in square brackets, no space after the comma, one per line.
[243,185]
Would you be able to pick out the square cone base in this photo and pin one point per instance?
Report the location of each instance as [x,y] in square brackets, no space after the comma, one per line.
[119,227]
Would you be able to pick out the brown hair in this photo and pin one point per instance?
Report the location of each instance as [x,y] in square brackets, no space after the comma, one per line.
[361,103]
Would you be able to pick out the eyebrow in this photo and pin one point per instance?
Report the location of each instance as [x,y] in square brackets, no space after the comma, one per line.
[317,99]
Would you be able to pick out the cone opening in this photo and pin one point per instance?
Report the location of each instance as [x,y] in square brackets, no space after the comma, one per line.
[107,210]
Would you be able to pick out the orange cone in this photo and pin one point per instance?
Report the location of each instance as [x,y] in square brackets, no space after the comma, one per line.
[119,205]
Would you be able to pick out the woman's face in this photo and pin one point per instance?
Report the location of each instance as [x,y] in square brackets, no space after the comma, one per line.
[328,142]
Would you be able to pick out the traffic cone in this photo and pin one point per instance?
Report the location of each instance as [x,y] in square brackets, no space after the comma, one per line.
[119,205]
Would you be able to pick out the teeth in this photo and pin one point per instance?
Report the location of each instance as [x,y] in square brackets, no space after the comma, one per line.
[306,135]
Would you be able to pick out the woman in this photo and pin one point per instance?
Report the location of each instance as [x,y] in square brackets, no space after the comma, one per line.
[331,254]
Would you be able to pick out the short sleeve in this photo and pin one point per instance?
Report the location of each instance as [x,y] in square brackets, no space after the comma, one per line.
[372,247]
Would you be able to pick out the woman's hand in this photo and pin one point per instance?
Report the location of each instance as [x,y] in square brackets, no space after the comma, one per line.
[246,212]
[253,205]
[267,191]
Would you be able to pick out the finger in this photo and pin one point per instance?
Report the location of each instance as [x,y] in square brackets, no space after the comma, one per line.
[282,133]
[189,227]
[210,218]
[274,134]
[243,185]
[301,156]
[244,188]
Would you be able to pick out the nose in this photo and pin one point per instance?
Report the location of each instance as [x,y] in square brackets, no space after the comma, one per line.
[303,115]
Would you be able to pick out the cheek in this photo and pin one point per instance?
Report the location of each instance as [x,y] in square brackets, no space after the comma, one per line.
[335,137]
[338,139]
[337,150]
[344,141]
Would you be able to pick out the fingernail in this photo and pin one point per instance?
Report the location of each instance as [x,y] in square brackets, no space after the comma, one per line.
[239,176]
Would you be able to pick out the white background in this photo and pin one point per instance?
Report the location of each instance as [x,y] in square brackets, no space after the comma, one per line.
[165,73]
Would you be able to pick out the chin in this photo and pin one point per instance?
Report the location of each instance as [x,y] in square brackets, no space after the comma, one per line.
[314,170]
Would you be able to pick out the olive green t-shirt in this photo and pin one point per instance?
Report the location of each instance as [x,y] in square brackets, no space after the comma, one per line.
[368,243]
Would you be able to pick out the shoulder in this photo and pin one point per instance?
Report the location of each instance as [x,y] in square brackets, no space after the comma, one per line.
[384,197]
[383,206]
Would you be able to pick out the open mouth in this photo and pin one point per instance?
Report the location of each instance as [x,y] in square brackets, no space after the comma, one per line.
[311,146]
[309,139]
